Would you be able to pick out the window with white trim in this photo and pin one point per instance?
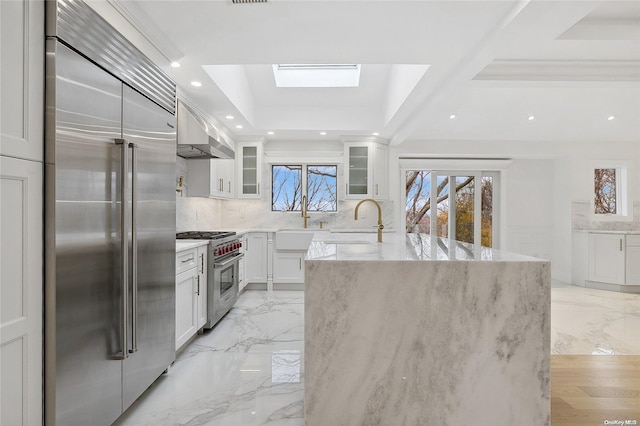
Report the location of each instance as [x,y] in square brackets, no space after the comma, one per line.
[611,196]
[289,182]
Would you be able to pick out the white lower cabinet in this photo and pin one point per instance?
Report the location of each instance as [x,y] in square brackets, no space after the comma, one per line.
[256,257]
[186,306]
[191,293]
[607,258]
[21,291]
[288,267]
[633,260]
[201,286]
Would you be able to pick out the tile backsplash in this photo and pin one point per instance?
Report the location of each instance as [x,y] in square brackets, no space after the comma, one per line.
[582,219]
[257,214]
[194,213]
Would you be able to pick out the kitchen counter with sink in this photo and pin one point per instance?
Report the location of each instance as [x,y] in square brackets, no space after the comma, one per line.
[422,330]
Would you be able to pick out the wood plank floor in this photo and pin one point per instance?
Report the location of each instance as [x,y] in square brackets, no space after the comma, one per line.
[589,390]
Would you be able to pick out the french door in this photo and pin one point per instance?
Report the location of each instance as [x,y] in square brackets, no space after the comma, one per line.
[460,205]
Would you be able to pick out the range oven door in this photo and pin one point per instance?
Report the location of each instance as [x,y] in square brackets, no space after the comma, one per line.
[223,288]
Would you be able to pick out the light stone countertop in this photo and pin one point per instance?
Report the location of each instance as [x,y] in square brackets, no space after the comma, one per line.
[182,245]
[595,231]
[396,246]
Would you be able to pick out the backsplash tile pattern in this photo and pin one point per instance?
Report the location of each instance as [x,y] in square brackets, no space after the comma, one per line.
[257,214]
[194,213]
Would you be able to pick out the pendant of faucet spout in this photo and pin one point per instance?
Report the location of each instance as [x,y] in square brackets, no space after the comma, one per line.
[380,225]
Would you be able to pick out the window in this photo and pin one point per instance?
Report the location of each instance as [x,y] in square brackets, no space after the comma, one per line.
[318,182]
[468,216]
[610,192]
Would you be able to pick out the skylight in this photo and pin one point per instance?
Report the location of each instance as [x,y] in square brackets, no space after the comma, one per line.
[317,75]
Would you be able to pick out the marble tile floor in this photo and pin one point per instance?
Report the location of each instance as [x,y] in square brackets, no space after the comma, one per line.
[249,369]
[245,371]
[587,321]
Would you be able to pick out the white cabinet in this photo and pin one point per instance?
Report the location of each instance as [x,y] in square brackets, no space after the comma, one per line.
[186,306]
[21,292]
[249,156]
[366,170]
[191,293]
[21,194]
[22,71]
[201,287]
[607,258]
[256,257]
[211,178]
[242,274]
[633,260]
[288,267]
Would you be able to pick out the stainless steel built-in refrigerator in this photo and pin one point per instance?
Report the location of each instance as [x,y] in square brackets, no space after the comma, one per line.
[110,220]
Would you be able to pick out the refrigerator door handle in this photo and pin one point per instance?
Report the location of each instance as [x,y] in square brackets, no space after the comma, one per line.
[124,241]
[134,248]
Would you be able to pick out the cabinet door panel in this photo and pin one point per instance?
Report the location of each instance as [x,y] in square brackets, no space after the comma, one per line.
[256,257]
[607,258]
[288,268]
[21,292]
[186,315]
[22,83]
[633,266]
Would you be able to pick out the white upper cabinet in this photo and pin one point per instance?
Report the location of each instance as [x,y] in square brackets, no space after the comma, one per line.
[211,178]
[249,163]
[366,170]
[22,71]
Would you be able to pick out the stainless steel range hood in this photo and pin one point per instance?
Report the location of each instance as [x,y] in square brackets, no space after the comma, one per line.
[197,138]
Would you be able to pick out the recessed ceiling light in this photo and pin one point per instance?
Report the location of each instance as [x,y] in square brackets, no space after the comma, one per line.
[531,118]
[175,64]
[452,116]
[196,84]
[611,117]
[229,117]
[323,133]
[238,126]
[270,133]
[376,134]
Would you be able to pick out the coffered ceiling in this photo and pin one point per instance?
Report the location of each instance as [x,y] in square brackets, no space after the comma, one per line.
[504,70]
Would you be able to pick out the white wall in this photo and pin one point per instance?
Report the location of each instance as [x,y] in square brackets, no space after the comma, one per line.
[558,177]
[194,213]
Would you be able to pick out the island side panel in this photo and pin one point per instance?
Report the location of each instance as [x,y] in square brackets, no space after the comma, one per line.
[427,343]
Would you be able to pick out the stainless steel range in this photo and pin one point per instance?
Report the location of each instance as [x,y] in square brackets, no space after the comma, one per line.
[223,258]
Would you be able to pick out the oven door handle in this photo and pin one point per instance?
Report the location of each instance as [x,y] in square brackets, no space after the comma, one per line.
[226,262]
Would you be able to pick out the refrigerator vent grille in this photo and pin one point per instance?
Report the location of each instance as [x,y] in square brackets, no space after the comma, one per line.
[82,29]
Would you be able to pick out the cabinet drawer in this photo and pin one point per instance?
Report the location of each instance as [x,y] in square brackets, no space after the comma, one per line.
[633,240]
[186,260]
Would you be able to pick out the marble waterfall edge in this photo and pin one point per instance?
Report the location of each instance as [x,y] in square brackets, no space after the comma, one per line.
[427,342]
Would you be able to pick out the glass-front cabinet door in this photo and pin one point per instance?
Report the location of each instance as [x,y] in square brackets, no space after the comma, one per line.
[358,170]
[250,169]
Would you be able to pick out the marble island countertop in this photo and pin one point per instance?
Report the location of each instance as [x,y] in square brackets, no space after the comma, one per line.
[438,333]
[327,245]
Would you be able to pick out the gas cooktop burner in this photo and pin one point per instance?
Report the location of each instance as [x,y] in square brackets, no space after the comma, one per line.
[204,235]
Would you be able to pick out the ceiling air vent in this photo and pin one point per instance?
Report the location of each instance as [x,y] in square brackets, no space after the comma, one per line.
[248,1]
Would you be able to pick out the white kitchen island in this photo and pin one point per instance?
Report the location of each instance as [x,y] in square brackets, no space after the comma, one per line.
[424,331]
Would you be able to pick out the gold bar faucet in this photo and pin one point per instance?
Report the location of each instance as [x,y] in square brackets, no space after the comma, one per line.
[380,225]
[304,210]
